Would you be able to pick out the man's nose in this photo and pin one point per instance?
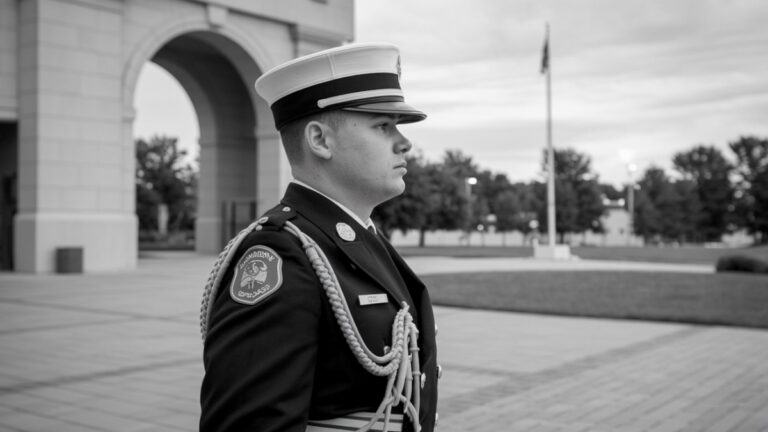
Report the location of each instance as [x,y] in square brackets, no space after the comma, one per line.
[403,145]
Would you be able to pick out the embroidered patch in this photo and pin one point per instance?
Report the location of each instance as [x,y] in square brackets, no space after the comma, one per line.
[258,274]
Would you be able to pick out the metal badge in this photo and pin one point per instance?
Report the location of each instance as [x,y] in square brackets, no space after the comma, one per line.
[370,299]
[345,231]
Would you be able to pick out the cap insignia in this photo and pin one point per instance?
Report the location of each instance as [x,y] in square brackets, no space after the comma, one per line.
[398,68]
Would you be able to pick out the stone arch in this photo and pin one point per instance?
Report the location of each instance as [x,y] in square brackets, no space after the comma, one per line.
[217,70]
[145,48]
[74,77]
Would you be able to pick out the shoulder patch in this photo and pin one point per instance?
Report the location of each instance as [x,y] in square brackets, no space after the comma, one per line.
[258,274]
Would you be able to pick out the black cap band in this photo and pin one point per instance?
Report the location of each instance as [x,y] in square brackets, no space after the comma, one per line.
[304,102]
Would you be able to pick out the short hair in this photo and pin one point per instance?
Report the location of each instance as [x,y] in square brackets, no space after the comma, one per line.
[292,134]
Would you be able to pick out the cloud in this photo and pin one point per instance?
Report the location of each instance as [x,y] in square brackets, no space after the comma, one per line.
[164,108]
[651,77]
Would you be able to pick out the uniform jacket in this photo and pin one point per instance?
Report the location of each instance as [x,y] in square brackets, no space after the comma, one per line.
[274,365]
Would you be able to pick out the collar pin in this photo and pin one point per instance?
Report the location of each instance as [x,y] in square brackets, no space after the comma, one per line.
[345,231]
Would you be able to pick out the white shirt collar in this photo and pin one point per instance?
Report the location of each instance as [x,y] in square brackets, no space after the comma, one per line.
[364,224]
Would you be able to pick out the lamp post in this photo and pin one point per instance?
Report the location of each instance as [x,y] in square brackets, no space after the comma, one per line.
[631,168]
[468,183]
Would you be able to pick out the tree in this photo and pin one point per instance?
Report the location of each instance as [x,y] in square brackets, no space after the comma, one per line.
[499,199]
[412,209]
[578,199]
[610,192]
[752,185]
[507,208]
[710,171]
[664,209]
[435,197]
[460,199]
[689,207]
[163,178]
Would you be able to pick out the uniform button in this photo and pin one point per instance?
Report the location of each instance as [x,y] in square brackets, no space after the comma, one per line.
[439,371]
[258,228]
[423,380]
[286,209]
[436,330]
[437,418]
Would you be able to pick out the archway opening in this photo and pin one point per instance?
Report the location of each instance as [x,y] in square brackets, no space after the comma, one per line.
[9,174]
[166,137]
[214,120]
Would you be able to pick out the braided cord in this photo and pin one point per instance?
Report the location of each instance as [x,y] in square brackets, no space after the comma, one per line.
[217,273]
[400,364]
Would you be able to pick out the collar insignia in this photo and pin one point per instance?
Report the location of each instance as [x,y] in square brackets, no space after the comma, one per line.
[345,231]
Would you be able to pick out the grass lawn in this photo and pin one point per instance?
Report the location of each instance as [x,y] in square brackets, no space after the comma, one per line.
[725,298]
[683,255]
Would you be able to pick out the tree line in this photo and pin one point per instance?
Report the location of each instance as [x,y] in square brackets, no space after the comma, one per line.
[710,197]
[708,194]
[163,178]
[706,197]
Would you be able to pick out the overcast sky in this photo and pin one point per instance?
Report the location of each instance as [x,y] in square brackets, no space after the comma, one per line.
[632,81]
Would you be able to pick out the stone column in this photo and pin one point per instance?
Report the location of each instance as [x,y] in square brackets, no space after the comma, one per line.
[72,168]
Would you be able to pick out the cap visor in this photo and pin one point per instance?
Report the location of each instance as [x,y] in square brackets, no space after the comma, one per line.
[407,113]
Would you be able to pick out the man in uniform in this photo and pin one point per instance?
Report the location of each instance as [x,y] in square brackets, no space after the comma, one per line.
[311,320]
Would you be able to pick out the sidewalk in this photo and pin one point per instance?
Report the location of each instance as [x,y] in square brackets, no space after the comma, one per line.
[427,265]
[121,352]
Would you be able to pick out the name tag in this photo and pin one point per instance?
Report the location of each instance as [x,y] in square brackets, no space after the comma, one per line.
[369,299]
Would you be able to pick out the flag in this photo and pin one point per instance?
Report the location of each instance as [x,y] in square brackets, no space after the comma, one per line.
[545,54]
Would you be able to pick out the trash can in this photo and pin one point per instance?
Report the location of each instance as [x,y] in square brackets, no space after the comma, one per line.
[69,260]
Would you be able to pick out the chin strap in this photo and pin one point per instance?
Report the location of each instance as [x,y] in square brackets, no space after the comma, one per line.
[400,364]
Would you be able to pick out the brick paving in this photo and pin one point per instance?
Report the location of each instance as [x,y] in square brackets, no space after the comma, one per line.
[121,352]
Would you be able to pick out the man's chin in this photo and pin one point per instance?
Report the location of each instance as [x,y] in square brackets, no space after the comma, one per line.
[400,188]
[395,191]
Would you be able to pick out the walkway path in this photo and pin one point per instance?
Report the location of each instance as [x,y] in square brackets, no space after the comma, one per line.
[121,352]
[427,265]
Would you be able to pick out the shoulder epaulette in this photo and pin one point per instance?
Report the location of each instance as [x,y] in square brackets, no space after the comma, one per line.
[275,218]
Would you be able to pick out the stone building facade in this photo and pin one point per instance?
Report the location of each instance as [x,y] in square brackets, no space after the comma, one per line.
[68,71]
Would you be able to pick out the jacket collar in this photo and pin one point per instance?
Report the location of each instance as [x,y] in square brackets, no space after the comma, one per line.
[326,216]
[366,224]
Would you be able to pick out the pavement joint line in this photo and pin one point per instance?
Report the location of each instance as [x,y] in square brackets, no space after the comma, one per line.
[15,331]
[72,379]
[517,383]
[111,312]
[483,370]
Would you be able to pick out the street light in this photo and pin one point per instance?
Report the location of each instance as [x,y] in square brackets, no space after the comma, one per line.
[631,168]
[468,183]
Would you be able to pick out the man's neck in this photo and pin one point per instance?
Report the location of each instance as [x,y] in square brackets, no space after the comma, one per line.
[363,213]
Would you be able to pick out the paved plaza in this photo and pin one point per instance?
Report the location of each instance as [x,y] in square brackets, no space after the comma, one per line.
[122,352]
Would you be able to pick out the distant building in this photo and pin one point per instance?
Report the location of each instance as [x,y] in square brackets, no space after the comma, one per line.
[617,230]
[68,72]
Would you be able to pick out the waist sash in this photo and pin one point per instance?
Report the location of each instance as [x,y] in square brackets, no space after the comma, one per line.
[355,421]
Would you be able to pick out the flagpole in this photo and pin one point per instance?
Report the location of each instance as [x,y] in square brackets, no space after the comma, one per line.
[550,150]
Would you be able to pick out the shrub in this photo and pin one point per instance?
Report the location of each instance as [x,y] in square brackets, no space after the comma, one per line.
[741,263]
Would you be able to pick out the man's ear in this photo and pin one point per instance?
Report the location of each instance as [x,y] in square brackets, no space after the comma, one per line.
[319,137]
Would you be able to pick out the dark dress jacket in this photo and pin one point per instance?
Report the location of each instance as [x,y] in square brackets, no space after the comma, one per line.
[273,365]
